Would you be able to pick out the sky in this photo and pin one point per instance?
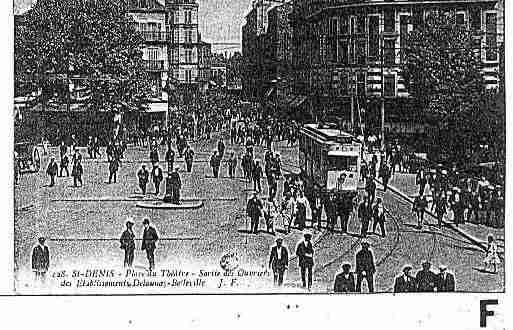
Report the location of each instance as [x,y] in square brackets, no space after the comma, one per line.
[219,20]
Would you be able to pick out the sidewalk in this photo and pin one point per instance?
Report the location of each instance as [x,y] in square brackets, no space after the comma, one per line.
[403,184]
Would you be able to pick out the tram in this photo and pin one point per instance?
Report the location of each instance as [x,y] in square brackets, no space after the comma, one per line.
[329,159]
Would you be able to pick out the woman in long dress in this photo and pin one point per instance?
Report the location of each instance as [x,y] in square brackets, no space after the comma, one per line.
[492,256]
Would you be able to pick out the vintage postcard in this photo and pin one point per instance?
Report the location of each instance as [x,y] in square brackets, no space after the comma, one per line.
[259,147]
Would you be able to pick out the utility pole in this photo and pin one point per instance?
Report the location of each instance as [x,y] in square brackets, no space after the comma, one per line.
[383,92]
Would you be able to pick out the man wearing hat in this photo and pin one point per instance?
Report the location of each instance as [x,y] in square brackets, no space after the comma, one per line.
[304,252]
[128,243]
[149,241]
[157,177]
[344,281]
[279,261]
[189,157]
[426,279]
[40,259]
[142,176]
[405,282]
[52,170]
[445,280]
[254,212]
[365,268]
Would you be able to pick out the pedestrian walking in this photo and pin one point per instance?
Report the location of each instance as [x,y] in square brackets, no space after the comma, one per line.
[142,177]
[365,215]
[232,165]
[405,282]
[113,170]
[419,208]
[154,154]
[149,242]
[157,177]
[257,174]
[426,279]
[64,165]
[378,215]
[440,208]
[51,171]
[127,241]
[77,172]
[288,210]
[302,207]
[365,268]
[63,149]
[170,157]
[445,280]
[492,255]
[344,281]
[279,261]
[384,174]
[421,181]
[215,163]
[254,212]
[189,158]
[220,148]
[270,211]
[305,252]
[40,260]
[370,189]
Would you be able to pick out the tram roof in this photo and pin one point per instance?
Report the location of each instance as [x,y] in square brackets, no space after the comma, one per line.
[331,134]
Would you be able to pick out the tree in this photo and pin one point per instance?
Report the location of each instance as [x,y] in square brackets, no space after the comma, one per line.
[442,71]
[94,40]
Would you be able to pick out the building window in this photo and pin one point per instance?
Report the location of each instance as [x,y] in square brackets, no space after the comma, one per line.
[333,56]
[373,38]
[389,86]
[460,18]
[344,84]
[360,24]
[360,84]
[344,25]
[188,75]
[417,18]
[389,20]
[389,52]
[403,33]
[353,25]
[333,27]
[188,55]
[491,37]
[361,54]
[188,17]
[342,52]
[475,19]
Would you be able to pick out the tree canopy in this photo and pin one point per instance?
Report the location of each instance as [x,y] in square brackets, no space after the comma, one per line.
[94,40]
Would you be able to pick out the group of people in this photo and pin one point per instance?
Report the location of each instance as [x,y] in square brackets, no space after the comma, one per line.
[57,170]
[425,280]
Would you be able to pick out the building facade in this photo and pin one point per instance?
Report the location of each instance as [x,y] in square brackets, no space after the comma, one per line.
[267,49]
[204,64]
[347,53]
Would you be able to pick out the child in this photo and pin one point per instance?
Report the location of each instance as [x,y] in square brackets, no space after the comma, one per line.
[492,257]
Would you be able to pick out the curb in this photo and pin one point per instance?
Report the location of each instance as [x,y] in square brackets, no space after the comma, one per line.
[170,206]
[404,196]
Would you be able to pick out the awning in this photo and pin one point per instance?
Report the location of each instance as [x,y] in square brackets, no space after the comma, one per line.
[298,101]
[156,107]
[341,153]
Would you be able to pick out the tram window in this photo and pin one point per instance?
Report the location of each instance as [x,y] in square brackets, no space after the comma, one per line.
[343,163]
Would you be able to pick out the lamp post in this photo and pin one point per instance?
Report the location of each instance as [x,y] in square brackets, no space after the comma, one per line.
[171,89]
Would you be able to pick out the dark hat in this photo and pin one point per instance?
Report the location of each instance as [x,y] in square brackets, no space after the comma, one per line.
[146,221]
[442,268]
[129,221]
[407,268]
[307,235]
[279,239]
[41,240]
[346,266]
[426,263]
[365,244]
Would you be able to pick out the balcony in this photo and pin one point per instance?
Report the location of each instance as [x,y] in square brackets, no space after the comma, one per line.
[154,66]
[154,36]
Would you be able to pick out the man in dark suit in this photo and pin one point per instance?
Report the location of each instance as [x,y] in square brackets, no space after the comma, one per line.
[40,259]
[52,171]
[445,280]
[365,268]
[128,244]
[157,177]
[254,211]
[378,214]
[149,241]
[189,158]
[304,252]
[344,281]
[405,282]
[279,261]
[426,279]
[176,185]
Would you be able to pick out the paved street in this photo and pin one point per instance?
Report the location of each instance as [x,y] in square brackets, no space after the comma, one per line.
[87,232]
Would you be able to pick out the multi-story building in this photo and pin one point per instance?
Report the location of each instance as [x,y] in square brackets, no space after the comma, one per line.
[219,70]
[204,64]
[347,53]
[266,48]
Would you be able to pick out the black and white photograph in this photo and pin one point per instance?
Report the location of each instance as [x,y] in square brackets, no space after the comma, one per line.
[226,147]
